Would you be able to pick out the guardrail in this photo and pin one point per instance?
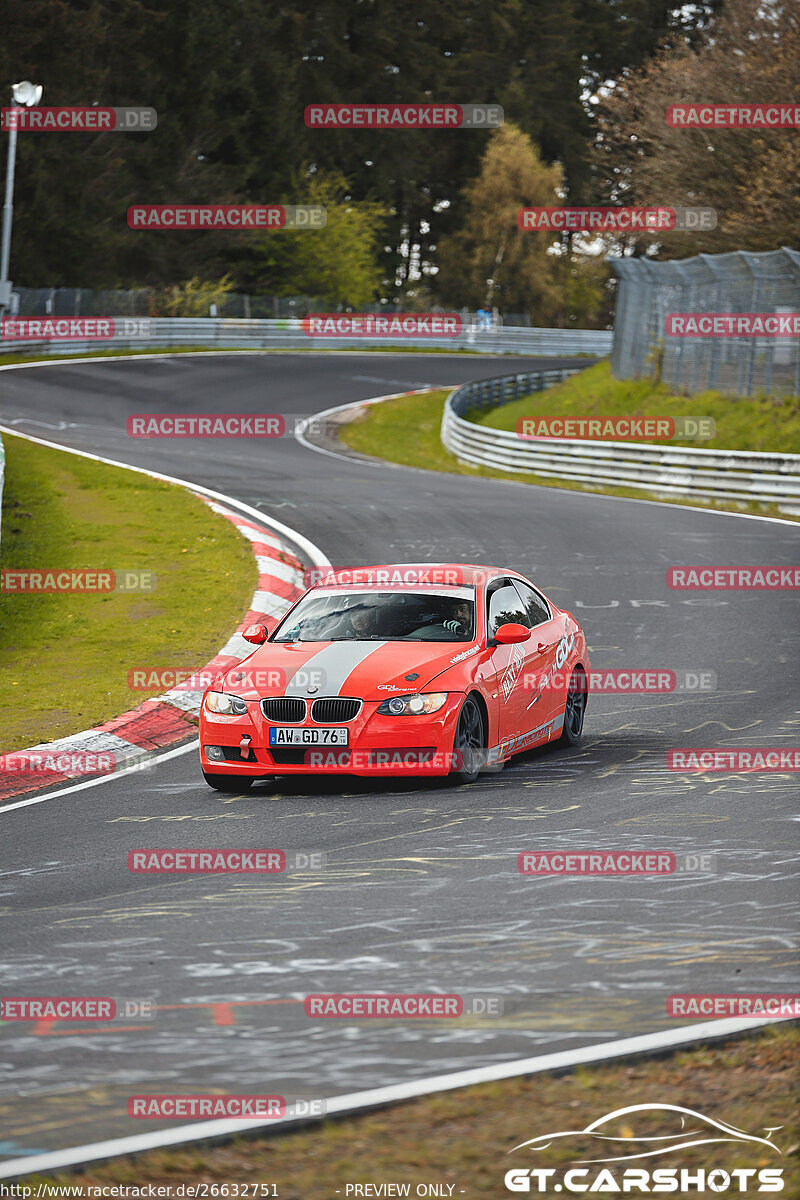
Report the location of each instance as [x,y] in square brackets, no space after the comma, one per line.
[664,470]
[140,333]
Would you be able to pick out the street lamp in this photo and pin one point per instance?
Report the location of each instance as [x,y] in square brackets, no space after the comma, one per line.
[24,95]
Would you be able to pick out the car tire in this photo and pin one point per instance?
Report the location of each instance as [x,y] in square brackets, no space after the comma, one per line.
[469,744]
[574,708]
[228,783]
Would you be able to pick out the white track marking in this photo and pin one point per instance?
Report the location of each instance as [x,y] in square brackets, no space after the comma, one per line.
[358,1101]
[79,787]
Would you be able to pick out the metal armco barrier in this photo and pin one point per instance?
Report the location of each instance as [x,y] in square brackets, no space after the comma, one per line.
[666,470]
[144,333]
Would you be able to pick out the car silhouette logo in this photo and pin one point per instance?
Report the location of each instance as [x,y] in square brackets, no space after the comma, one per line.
[695,1130]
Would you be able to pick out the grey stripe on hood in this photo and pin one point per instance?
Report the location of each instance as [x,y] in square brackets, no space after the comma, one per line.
[334,664]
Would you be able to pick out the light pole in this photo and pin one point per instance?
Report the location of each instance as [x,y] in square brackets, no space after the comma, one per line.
[24,95]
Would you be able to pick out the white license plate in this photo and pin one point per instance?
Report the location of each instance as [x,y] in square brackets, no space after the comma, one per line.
[288,735]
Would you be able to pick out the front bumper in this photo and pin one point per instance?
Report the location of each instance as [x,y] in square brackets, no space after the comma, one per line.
[379,744]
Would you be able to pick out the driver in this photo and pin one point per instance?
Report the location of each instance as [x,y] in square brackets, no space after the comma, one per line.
[461,618]
[360,622]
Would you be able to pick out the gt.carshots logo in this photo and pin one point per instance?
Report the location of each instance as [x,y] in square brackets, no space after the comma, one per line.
[669,1128]
[399,325]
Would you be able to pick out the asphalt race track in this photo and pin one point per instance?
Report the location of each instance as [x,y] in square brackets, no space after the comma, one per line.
[421,891]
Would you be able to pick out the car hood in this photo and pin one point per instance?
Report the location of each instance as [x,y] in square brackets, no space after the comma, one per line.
[367,670]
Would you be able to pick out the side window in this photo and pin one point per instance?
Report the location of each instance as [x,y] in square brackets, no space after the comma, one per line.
[505,605]
[535,606]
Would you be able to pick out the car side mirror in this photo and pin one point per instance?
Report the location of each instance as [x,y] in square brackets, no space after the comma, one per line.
[256,634]
[511,632]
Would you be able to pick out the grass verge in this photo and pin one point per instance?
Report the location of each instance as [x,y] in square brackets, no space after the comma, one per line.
[65,657]
[762,423]
[463,1137]
[406,431]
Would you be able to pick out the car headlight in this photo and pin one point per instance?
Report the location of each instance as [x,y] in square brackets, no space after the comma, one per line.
[412,706]
[227,706]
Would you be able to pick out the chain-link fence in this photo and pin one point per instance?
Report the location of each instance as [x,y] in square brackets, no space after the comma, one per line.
[144,302]
[741,282]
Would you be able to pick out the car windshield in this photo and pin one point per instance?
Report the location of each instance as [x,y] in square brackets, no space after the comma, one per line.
[435,615]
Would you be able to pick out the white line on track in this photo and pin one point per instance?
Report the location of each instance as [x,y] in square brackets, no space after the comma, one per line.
[354,1102]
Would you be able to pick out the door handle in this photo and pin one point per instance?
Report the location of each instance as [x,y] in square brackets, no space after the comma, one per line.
[542,648]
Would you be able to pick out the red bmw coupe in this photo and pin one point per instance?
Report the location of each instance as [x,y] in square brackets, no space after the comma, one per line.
[407,669]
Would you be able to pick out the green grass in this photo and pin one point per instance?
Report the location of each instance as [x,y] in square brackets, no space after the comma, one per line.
[743,423]
[463,1137]
[406,431]
[65,658]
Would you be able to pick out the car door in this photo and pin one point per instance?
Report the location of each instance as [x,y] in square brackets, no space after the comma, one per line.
[544,693]
[505,667]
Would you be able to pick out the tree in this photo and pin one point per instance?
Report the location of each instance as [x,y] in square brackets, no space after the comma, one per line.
[339,263]
[751,54]
[489,259]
